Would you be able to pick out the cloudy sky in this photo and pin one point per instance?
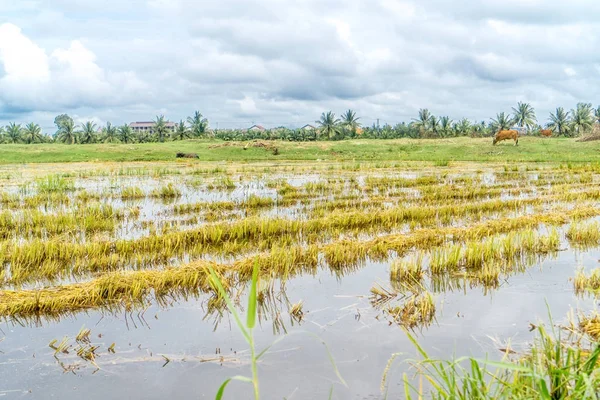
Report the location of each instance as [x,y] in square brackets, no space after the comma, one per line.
[283,62]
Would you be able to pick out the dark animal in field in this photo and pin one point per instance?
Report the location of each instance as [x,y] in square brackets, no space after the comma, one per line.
[507,135]
[546,132]
[187,155]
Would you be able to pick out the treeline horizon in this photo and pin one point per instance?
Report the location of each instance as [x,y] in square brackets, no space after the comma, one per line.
[576,122]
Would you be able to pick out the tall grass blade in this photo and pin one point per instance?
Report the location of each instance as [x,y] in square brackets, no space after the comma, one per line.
[251,318]
[331,359]
[221,390]
[230,305]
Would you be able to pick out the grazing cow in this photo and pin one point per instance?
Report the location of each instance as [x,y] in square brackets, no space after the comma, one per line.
[546,132]
[507,135]
[187,155]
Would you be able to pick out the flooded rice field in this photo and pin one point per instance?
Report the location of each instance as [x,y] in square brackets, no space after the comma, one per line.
[107,289]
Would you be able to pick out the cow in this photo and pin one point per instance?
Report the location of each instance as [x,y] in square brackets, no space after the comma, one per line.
[187,155]
[546,132]
[507,135]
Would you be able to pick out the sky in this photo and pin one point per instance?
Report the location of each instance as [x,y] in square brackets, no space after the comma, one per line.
[284,62]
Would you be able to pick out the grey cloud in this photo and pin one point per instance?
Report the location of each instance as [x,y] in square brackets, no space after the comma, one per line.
[277,61]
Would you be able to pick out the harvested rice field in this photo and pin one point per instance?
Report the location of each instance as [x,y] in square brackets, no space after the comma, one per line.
[113,275]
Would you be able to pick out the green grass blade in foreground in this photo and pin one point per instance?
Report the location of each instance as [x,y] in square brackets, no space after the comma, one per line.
[246,331]
[407,387]
[221,391]
[251,318]
[266,349]
[229,303]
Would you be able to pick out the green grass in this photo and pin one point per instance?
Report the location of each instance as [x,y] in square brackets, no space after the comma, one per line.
[555,367]
[454,149]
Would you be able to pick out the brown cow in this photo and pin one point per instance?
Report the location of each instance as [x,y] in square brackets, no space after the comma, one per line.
[507,135]
[546,132]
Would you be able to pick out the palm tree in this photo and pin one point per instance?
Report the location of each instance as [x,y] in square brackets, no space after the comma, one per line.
[560,122]
[160,128]
[66,132]
[597,114]
[524,115]
[143,136]
[582,118]
[463,127]
[502,122]
[480,128]
[88,132]
[14,133]
[126,133]
[32,133]
[422,122]
[181,131]
[329,124]
[434,124]
[110,133]
[445,126]
[350,122]
[198,124]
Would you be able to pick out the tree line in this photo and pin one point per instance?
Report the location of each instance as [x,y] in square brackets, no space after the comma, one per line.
[575,122]
[89,132]
[578,121]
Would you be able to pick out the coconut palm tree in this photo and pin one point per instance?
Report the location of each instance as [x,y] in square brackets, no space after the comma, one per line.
[422,122]
[329,124]
[445,126]
[582,118]
[350,122]
[110,134]
[198,124]
[502,122]
[560,122]
[181,131]
[88,132]
[126,133]
[434,124]
[32,133]
[463,127]
[143,136]
[14,133]
[524,116]
[66,132]
[480,129]
[160,128]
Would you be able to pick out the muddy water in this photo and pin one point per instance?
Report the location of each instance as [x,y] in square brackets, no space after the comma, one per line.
[339,312]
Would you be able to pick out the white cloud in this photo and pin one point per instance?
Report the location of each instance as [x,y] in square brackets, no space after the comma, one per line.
[282,62]
[22,59]
[248,106]
[67,78]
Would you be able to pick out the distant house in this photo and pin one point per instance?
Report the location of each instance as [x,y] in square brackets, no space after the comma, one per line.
[148,127]
[308,127]
[256,128]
